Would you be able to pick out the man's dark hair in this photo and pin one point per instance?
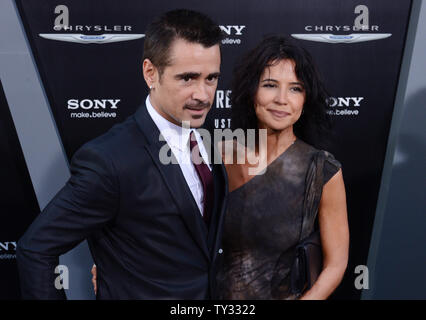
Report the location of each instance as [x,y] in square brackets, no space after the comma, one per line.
[314,125]
[183,24]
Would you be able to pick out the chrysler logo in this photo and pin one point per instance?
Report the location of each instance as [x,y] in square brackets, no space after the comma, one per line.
[86,39]
[350,38]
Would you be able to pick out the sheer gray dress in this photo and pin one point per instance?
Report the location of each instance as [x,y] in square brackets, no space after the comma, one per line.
[263,224]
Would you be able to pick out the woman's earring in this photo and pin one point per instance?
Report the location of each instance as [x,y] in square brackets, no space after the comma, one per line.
[151,87]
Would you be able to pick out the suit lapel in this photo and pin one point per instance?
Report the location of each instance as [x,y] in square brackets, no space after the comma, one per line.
[174,180]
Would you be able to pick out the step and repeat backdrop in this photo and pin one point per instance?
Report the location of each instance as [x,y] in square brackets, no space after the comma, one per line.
[88,56]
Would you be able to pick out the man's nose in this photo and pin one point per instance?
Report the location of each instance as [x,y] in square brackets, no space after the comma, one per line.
[201,93]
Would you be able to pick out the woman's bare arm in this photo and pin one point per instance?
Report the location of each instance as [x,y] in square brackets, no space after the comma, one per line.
[333,222]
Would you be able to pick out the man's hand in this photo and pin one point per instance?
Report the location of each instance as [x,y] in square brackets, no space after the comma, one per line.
[94,278]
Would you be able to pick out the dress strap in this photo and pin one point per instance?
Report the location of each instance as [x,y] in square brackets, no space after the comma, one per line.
[313,192]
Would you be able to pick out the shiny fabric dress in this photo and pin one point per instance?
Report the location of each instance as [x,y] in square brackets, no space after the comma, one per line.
[263,224]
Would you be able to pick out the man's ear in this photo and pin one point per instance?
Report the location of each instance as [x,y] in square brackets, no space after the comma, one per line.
[150,73]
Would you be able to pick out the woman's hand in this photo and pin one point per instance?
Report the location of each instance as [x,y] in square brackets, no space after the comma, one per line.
[94,278]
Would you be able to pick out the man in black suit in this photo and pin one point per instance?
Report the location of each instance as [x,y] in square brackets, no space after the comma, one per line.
[154,228]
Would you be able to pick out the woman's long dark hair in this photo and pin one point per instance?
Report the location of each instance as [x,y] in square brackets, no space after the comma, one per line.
[314,124]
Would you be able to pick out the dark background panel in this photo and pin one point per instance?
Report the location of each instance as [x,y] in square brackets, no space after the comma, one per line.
[18,203]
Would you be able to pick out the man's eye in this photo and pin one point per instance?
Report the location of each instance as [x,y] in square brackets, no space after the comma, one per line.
[212,78]
[186,78]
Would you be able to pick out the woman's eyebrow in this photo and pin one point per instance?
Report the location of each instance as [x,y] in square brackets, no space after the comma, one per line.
[273,80]
[269,79]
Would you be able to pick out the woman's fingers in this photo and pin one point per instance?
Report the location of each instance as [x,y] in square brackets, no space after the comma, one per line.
[93,271]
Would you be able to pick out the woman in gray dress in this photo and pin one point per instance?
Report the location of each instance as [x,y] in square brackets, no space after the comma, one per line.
[276,88]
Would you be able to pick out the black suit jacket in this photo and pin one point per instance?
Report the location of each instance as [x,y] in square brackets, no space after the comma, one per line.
[145,231]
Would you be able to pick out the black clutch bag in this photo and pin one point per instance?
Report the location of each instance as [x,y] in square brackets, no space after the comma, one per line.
[307,264]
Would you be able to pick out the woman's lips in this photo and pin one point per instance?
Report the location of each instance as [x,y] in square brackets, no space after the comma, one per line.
[279,114]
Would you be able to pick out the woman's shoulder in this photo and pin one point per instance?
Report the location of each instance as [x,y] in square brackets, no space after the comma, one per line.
[331,164]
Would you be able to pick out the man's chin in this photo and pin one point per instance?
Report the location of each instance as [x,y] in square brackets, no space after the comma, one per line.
[194,121]
[197,123]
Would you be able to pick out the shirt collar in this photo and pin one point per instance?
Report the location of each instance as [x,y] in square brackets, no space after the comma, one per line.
[176,136]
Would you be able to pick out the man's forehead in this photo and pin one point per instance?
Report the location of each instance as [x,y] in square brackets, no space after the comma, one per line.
[184,54]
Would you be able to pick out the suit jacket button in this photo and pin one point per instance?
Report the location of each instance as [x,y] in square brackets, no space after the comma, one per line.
[220,251]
